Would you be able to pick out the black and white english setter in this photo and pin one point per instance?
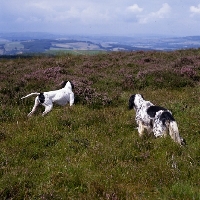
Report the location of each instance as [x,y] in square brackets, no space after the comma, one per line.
[154,119]
[60,97]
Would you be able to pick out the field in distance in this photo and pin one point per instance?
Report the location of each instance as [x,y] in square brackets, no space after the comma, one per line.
[31,43]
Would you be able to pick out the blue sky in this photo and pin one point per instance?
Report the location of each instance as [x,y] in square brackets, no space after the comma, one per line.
[102,17]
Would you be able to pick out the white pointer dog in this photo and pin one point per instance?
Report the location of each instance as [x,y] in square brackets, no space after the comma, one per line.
[154,119]
[60,97]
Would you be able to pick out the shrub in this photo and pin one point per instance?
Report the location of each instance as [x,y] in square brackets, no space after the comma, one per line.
[86,95]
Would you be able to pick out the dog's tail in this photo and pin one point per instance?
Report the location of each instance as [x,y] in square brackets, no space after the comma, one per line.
[169,121]
[34,93]
[174,133]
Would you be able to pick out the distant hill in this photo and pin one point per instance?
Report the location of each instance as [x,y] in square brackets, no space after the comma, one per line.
[29,43]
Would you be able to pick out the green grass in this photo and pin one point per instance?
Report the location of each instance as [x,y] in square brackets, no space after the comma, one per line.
[57,51]
[92,150]
[13,46]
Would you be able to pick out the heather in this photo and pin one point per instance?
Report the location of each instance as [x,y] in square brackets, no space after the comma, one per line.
[92,150]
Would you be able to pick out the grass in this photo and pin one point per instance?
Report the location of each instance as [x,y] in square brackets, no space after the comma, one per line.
[13,45]
[92,150]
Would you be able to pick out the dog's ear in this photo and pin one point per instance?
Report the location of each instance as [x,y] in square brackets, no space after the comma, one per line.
[72,85]
[132,102]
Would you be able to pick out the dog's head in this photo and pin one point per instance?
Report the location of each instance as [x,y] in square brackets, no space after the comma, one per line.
[131,102]
[134,101]
[67,84]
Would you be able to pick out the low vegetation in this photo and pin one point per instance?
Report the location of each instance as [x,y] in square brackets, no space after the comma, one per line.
[92,150]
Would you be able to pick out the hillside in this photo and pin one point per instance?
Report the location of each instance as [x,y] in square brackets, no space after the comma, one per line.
[32,43]
[92,150]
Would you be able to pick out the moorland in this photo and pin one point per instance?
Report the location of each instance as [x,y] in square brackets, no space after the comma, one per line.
[92,150]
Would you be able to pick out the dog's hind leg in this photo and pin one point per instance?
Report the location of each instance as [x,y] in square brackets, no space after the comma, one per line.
[48,108]
[34,107]
[174,132]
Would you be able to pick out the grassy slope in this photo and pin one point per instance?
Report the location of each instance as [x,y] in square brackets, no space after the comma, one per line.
[92,150]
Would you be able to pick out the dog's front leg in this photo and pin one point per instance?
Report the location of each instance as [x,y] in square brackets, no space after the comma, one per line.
[140,129]
[149,129]
[34,107]
[71,97]
[48,108]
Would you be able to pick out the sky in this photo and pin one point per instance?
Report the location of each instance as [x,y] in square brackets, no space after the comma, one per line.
[102,17]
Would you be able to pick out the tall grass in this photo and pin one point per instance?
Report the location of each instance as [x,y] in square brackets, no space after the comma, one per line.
[92,150]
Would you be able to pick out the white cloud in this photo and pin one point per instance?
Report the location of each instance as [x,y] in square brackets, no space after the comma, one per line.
[57,12]
[89,15]
[135,8]
[20,20]
[40,5]
[92,14]
[195,10]
[161,13]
